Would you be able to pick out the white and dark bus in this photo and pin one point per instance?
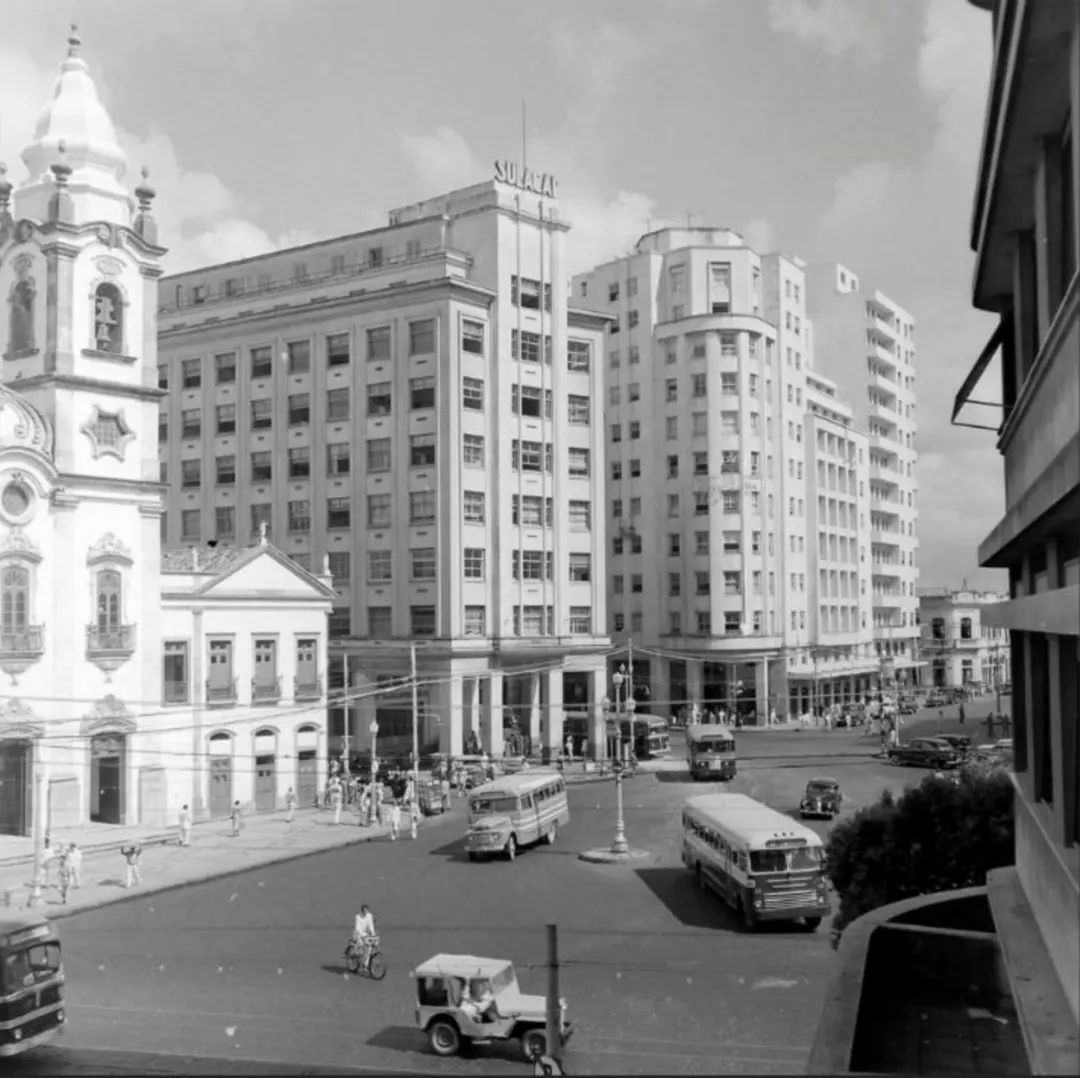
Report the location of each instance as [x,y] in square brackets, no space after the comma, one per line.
[710,751]
[765,865]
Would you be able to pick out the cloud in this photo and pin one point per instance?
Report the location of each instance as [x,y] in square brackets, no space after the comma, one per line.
[199,217]
[838,26]
[760,235]
[928,271]
[442,160]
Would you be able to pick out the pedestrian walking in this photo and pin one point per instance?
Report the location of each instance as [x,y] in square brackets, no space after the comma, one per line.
[569,746]
[444,789]
[75,863]
[365,804]
[131,855]
[290,806]
[962,715]
[335,802]
[237,817]
[395,821]
[48,856]
[378,801]
[65,876]
[414,818]
[185,826]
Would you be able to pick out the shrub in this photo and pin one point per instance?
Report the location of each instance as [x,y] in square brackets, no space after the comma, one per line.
[941,835]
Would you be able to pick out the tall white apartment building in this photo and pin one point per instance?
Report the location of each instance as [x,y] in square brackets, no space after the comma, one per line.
[709,478]
[866,343]
[419,406]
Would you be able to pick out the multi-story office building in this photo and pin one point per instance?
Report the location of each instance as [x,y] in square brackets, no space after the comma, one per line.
[710,473]
[958,647]
[1026,237]
[419,405]
[866,343]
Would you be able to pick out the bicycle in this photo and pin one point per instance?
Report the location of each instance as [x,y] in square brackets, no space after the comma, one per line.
[374,967]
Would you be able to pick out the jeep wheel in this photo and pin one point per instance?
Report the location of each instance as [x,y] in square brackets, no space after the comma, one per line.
[444,1037]
[534,1043]
[812,923]
[511,848]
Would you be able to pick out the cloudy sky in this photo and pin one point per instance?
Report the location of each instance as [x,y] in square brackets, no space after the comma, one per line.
[836,130]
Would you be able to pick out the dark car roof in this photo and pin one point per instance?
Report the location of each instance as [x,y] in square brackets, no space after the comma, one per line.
[823,782]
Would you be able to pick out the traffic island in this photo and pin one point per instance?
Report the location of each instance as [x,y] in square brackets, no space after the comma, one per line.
[605,855]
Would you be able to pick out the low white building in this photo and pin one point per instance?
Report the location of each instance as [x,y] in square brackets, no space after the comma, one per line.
[117,691]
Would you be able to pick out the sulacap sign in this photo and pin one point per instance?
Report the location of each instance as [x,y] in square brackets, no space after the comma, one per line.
[539,183]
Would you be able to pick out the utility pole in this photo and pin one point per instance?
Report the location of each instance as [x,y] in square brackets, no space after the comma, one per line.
[37,795]
[346,741]
[553,1030]
[629,668]
[415,725]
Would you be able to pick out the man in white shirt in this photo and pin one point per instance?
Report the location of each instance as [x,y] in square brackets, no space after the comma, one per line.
[364,932]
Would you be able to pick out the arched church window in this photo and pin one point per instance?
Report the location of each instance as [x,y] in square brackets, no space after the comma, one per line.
[108,600]
[15,587]
[108,318]
[21,324]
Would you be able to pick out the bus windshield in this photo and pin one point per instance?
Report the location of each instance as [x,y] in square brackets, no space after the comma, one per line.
[798,860]
[714,744]
[22,968]
[486,806]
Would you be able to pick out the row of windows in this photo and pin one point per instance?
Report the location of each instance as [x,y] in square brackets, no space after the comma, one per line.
[729,386]
[526,621]
[220,682]
[526,565]
[16,593]
[730,423]
[527,510]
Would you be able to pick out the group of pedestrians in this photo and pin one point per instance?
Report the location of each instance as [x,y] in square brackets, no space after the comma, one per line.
[68,861]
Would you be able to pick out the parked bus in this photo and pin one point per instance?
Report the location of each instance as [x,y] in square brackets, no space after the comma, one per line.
[765,865]
[516,810]
[649,737]
[710,751]
[31,983]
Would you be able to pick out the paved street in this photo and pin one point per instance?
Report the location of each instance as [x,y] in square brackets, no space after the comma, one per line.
[659,978]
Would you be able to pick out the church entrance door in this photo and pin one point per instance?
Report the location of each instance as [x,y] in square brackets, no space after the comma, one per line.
[107,759]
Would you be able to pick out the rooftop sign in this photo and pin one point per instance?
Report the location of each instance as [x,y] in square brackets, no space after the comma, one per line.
[539,183]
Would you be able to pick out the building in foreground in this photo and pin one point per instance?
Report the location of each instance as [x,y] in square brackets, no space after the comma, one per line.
[958,647]
[738,525]
[136,684]
[865,341]
[420,405]
[1006,957]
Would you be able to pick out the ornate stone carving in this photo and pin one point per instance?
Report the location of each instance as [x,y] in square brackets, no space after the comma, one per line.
[22,424]
[24,231]
[17,542]
[108,715]
[109,547]
[110,267]
[23,264]
[108,432]
[17,720]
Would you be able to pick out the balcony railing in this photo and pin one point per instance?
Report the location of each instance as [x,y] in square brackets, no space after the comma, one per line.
[28,641]
[176,692]
[221,694]
[266,692]
[307,688]
[115,640]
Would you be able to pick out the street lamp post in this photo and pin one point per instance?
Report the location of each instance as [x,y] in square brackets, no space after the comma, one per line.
[619,844]
[373,729]
[36,897]
[617,680]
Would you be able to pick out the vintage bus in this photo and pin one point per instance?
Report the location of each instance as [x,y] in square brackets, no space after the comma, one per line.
[710,751]
[765,865]
[31,982]
[649,736]
[516,810]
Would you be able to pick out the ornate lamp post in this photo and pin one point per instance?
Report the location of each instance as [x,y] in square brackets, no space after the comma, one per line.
[373,729]
[617,679]
[36,897]
[619,844]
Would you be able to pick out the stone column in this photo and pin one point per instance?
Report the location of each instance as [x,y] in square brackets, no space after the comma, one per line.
[492,721]
[694,670]
[454,723]
[597,728]
[475,723]
[553,726]
[535,743]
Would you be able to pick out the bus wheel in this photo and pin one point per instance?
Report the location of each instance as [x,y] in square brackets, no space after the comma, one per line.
[551,835]
[472,855]
[812,923]
[511,848]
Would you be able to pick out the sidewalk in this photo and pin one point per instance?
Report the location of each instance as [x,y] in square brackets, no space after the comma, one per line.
[266,839]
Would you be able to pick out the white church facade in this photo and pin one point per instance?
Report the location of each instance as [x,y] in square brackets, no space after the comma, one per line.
[132,680]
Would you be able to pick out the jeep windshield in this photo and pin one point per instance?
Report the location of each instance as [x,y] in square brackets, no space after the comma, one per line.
[820,789]
[493,806]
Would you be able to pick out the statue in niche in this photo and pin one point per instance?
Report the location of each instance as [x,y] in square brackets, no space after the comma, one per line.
[21,325]
[108,319]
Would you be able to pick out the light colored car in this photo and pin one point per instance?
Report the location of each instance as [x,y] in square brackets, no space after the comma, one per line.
[447,988]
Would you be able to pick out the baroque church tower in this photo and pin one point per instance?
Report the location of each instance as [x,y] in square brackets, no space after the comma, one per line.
[80,500]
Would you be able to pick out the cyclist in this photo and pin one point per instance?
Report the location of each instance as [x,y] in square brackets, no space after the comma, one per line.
[364,934]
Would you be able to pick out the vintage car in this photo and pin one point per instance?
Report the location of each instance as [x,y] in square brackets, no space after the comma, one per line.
[822,798]
[959,742]
[448,988]
[926,752]
[907,705]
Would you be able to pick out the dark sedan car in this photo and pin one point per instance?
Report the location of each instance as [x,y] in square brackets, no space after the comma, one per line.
[822,798]
[926,752]
[959,742]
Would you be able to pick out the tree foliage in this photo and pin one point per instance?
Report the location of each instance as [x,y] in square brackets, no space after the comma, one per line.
[941,835]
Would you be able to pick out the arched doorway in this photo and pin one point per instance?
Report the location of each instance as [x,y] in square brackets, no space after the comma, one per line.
[307,765]
[221,766]
[16,785]
[108,756]
[265,770]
